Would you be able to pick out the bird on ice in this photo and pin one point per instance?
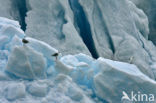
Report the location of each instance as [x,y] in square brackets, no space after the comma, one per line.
[25,41]
[55,55]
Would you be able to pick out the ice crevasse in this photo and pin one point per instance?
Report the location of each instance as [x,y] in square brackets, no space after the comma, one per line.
[29,74]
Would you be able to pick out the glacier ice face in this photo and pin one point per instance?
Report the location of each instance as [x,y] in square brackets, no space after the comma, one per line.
[57,22]
[6,9]
[149,8]
[60,21]
[54,25]
[73,78]
[15,10]
[140,19]
[124,29]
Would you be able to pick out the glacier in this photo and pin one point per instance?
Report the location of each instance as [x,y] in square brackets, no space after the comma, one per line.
[14,9]
[59,21]
[117,30]
[120,32]
[104,50]
[149,8]
[29,74]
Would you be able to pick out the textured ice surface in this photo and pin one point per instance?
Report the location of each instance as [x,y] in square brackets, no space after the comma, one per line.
[21,63]
[124,77]
[15,91]
[28,73]
[15,10]
[26,63]
[70,79]
[116,30]
[120,30]
[52,22]
[149,8]
[6,9]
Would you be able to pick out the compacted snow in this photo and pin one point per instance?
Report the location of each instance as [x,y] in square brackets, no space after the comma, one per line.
[29,74]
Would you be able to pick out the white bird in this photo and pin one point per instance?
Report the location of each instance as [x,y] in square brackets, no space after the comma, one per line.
[131,59]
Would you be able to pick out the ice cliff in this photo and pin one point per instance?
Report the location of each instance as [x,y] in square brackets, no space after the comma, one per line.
[149,8]
[107,30]
[120,25]
[116,30]
[29,74]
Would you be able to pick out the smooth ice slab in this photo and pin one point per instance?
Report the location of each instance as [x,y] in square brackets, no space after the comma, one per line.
[25,62]
[117,77]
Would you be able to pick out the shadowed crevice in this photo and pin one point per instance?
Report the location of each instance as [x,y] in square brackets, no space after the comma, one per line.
[21,7]
[83,27]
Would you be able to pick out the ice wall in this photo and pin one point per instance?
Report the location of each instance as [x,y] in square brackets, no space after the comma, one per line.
[52,22]
[117,30]
[15,10]
[122,29]
[6,9]
[148,6]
